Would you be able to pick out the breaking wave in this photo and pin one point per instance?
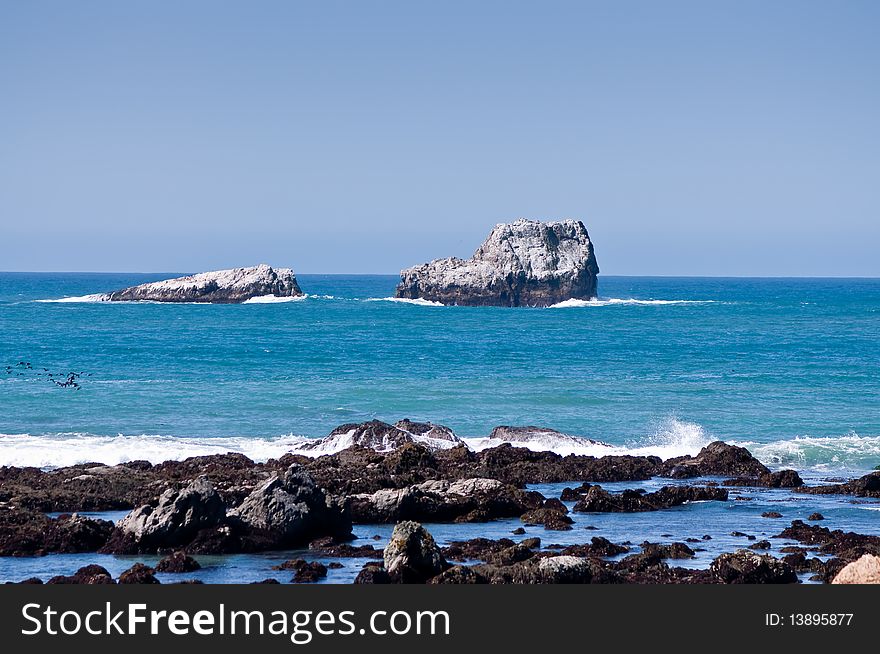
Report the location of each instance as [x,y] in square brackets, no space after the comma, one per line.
[274,299]
[58,450]
[607,302]
[822,454]
[670,438]
[418,301]
[93,297]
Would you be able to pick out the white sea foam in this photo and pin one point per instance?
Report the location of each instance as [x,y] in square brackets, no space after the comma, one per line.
[613,301]
[52,451]
[417,301]
[848,452]
[94,297]
[670,438]
[274,299]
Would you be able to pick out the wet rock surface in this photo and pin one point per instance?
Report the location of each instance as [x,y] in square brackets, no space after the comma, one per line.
[26,532]
[229,504]
[598,500]
[411,555]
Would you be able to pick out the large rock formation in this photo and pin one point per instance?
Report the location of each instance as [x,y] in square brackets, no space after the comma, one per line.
[525,263]
[219,287]
[412,556]
[174,522]
[289,510]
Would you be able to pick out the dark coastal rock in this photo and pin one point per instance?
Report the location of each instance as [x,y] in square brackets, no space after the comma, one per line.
[412,556]
[285,511]
[598,500]
[219,287]
[526,263]
[761,545]
[138,574]
[669,551]
[30,532]
[716,459]
[459,574]
[331,547]
[816,516]
[465,500]
[747,567]
[556,569]
[552,518]
[380,436]
[90,575]
[598,547]
[174,522]
[479,549]
[373,573]
[867,486]
[290,510]
[520,465]
[779,479]
[306,571]
[844,546]
[771,514]
[178,562]
[86,487]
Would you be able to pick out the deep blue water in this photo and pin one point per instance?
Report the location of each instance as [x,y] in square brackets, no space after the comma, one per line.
[789,366]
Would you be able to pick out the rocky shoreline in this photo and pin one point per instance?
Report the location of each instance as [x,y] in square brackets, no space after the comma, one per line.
[228,504]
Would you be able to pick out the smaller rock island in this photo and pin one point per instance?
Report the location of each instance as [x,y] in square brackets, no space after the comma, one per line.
[524,263]
[231,286]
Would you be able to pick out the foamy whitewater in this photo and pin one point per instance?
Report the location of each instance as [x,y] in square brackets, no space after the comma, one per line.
[783,367]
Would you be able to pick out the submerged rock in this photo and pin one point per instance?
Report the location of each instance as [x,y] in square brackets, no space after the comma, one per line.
[525,263]
[221,287]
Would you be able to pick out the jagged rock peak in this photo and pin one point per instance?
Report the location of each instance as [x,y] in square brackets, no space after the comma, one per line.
[220,286]
[524,263]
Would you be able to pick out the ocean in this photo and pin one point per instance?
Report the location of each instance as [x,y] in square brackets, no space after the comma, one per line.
[789,368]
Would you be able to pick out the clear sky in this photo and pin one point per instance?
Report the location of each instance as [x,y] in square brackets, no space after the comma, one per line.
[692,138]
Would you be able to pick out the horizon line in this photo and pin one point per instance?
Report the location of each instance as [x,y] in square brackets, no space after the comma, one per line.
[353,274]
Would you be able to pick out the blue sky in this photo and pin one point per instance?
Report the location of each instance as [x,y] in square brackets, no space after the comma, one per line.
[692,138]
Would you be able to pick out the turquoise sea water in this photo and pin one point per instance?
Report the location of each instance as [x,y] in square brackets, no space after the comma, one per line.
[790,367]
